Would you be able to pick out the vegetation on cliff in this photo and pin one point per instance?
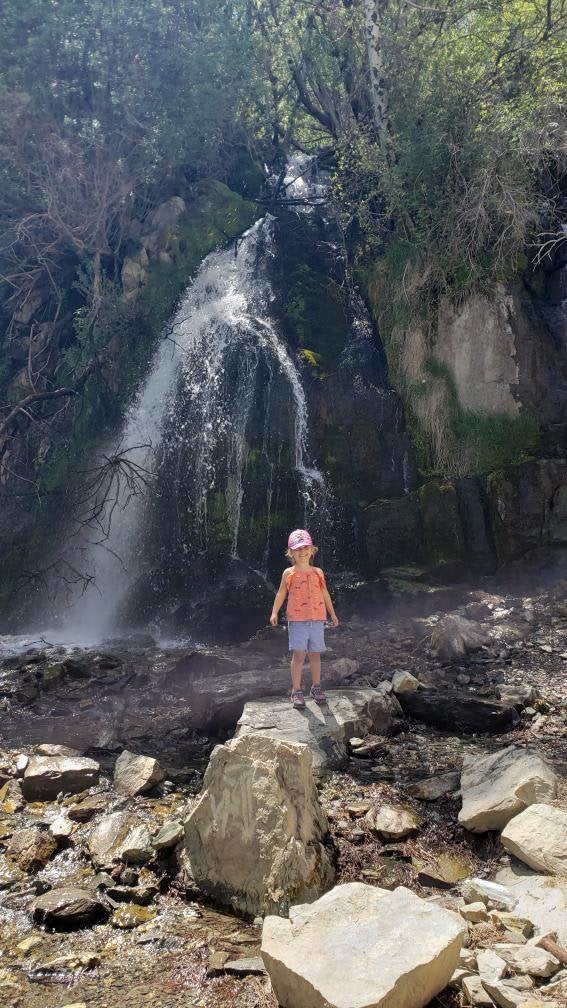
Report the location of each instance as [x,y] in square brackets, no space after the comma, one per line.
[443,128]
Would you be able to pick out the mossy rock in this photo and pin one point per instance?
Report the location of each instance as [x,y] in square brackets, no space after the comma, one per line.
[391,533]
[315,316]
[246,175]
[442,526]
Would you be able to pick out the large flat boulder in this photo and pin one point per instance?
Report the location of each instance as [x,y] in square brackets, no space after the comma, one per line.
[254,839]
[217,700]
[538,837]
[326,730]
[362,947]
[47,776]
[498,786]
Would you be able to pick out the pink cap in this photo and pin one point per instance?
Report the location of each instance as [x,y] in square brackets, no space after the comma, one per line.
[299,538]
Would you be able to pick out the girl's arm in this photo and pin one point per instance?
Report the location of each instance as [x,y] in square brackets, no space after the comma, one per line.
[280,598]
[328,602]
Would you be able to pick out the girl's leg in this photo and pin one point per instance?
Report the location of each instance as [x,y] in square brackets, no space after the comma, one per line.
[297,660]
[315,666]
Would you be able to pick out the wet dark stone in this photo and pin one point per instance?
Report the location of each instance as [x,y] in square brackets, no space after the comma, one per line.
[68,908]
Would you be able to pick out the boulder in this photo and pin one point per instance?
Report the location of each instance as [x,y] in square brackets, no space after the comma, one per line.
[87,807]
[254,839]
[432,788]
[490,965]
[48,749]
[475,913]
[519,695]
[528,959]
[454,637]
[30,849]
[498,786]
[504,994]
[475,993]
[170,834]
[107,840]
[61,828]
[543,901]
[166,215]
[393,822]
[68,908]
[136,848]
[374,949]
[538,837]
[47,776]
[217,698]
[404,682]
[326,730]
[484,891]
[134,775]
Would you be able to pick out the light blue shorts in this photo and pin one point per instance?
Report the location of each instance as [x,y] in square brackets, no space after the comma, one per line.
[306,635]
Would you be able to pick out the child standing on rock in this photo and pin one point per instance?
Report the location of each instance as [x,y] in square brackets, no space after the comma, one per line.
[308,603]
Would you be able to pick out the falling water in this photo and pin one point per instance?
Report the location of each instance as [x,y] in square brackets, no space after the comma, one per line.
[190,421]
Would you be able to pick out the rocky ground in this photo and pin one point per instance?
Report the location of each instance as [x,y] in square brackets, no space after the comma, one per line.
[138,932]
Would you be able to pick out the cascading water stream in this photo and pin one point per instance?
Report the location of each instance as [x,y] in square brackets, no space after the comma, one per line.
[190,422]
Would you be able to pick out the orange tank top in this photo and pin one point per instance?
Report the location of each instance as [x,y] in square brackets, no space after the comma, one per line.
[305,595]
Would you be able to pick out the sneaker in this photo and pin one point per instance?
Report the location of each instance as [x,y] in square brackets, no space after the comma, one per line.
[297,698]
[318,694]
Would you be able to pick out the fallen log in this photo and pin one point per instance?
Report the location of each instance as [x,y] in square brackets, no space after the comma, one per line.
[458,712]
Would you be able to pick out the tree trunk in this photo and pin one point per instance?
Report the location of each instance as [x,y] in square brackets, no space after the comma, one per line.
[374,13]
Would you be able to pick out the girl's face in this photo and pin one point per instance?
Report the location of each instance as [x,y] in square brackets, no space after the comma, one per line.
[302,554]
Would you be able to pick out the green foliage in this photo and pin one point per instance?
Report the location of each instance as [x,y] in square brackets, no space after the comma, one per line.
[496,441]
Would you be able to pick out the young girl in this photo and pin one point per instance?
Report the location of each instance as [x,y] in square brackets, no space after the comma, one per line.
[308,603]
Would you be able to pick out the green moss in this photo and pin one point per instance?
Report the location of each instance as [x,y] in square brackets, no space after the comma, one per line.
[219,534]
[495,441]
[312,359]
[315,316]
[254,530]
[476,443]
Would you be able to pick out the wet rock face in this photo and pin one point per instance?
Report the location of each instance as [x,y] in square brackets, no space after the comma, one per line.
[221,598]
[474,523]
[529,506]
[373,948]
[46,776]
[254,839]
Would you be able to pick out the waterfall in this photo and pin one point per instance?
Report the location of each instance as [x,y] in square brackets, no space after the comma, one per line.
[190,425]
